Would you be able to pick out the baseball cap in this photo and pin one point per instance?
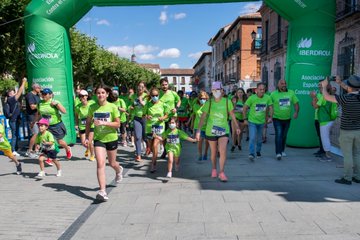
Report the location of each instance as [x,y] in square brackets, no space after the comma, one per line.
[46,91]
[83,92]
[216,85]
[43,121]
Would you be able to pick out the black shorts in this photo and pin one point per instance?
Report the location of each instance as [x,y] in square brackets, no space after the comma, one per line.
[215,138]
[58,130]
[109,145]
[50,154]
[123,128]
[84,131]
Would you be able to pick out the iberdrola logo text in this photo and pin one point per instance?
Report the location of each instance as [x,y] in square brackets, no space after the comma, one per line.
[303,47]
[31,50]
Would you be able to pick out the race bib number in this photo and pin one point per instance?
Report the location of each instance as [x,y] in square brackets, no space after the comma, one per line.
[83,121]
[285,102]
[173,139]
[218,131]
[102,116]
[157,129]
[260,107]
[238,108]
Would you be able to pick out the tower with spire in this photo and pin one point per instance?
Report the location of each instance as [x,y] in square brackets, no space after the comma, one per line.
[133,56]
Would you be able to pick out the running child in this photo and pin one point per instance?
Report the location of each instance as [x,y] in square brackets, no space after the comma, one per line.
[47,146]
[173,145]
[5,147]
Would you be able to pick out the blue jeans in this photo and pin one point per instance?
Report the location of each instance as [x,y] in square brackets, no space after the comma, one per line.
[255,136]
[14,127]
[281,130]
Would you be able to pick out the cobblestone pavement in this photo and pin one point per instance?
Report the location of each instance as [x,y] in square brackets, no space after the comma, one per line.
[295,198]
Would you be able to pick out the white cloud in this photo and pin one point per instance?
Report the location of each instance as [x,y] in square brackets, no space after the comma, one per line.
[250,8]
[196,55]
[174,65]
[169,53]
[126,51]
[103,22]
[146,57]
[178,16]
[163,17]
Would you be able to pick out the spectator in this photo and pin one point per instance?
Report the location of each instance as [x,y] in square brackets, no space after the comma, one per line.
[349,138]
[32,100]
[14,114]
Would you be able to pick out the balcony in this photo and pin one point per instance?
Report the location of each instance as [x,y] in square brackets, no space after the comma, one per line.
[264,48]
[347,11]
[275,41]
[234,47]
[344,59]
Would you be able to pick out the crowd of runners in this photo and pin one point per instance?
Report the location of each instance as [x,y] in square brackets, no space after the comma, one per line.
[156,120]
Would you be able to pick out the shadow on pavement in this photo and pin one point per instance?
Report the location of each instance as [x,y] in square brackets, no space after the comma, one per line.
[76,190]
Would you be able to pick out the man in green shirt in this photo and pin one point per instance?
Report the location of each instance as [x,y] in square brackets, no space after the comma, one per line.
[171,99]
[260,112]
[283,100]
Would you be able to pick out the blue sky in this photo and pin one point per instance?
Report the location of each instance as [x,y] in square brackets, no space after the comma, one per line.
[173,36]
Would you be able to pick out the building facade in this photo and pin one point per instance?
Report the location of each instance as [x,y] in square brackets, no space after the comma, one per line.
[346,59]
[217,48]
[179,79]
[273,47]
[240,59]
[202,78]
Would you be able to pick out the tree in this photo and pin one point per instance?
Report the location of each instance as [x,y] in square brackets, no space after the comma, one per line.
[12,42]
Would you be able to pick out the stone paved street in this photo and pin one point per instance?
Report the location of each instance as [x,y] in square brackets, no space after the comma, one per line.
[295,198]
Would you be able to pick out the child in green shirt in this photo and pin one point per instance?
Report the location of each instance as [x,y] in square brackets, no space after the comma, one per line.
[46,144]
[173,144]
[5,147]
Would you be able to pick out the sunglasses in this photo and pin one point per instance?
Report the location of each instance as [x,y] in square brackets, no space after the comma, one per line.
[45,93]
[80,96]
[154,95]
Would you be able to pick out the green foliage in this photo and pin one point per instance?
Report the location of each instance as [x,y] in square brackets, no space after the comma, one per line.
[12,42]
[6,83]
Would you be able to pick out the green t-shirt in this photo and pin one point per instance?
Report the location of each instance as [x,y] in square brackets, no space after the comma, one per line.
[217,121]
[173,137]
[49,112]
[282,102]
[159,109]
[318,97]
[138,108]
[47,137]
[82,113]
[258,107]
[184,107]
[324,111]
[238,110]
[120,103]
[170,98]
[197,112]
[107,113]
[77,101]
[4,143]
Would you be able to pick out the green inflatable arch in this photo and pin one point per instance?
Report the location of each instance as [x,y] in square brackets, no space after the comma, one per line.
[309,52]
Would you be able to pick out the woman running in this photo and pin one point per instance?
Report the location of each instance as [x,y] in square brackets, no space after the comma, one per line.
[238,101]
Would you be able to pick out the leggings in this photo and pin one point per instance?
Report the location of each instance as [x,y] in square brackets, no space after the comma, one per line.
[139,127]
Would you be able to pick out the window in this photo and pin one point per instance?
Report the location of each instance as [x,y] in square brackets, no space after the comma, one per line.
[277,73]
[258,67]
[183,80]
[174,81]
[348,60]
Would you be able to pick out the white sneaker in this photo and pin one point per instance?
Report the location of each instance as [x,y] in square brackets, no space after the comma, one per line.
[278,156]
[16,154]
[58,174]
[41,174]
[119,176]
[102,196]
[169,175]
[283,154]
